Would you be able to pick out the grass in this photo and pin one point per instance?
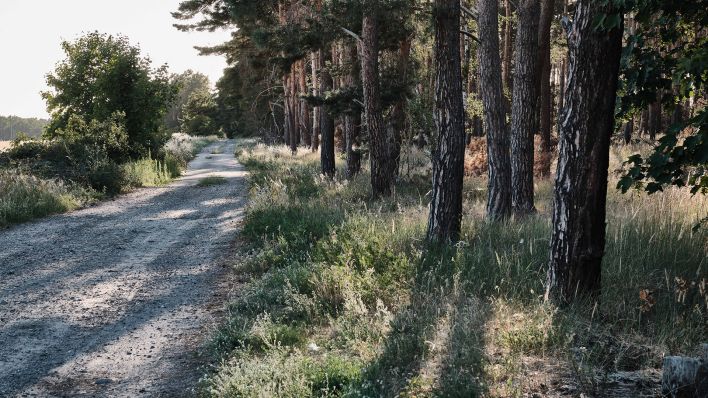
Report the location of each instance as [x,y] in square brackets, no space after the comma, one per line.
[24,197]
[344,298]
[211,181]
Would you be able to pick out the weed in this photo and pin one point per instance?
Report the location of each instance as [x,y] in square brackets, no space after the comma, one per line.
[211,181]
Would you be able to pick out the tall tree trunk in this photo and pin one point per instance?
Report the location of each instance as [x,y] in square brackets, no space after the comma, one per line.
[449,154]
[523,108]
[352,120]
[289,119]
[627,132]
[305,113]
[294,107]
[499,199]
[317,111]
[398,115]
[654,119]
[380,140]
[507,55]
[326,122]
[545,96]
[561,89]
[580,193]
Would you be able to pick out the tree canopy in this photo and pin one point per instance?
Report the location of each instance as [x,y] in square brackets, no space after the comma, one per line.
[103,75]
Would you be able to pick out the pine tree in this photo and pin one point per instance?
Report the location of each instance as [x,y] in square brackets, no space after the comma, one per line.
[580,193]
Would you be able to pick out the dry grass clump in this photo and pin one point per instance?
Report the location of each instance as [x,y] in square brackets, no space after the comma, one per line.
[24,197]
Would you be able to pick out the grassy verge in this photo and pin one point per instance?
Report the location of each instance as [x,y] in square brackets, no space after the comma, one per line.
[345,299]
[25,196]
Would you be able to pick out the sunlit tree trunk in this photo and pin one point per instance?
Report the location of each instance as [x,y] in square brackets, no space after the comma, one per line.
[587,121]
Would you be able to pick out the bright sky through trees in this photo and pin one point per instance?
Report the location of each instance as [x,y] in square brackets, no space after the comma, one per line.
[31,32]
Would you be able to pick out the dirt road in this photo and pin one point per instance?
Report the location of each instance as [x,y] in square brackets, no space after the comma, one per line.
[113,300]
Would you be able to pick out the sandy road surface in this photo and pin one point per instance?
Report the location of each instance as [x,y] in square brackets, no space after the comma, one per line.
[112,300]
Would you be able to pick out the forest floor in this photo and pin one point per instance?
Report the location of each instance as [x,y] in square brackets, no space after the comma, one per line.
[113,300]
[339,294]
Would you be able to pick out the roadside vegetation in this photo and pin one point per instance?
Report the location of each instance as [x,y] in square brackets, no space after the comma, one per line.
[345,298]
[100,141]
[40,178]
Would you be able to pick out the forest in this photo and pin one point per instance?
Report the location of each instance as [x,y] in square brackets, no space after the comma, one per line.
[463,198]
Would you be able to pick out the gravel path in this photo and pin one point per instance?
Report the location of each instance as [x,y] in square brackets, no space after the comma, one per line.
[115,300]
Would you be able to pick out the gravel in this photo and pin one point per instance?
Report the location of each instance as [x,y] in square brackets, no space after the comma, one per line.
[117,299]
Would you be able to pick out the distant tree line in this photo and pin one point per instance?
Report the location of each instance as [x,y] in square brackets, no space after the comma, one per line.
[12,127]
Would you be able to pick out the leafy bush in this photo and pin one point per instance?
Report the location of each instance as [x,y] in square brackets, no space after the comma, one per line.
[105,75]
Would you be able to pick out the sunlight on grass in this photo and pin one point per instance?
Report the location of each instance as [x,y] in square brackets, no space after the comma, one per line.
[337,275]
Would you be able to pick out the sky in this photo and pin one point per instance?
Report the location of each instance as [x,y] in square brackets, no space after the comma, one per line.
[31,32]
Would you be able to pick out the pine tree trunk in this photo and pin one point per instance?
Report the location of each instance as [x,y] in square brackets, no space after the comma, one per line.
[305,113]
[398,115]
[523,108]
[448,157]
[644,122]
[627,133]
[499,184]
[561,89]
[654,120]
[580,193]
[506,57]
[294,108]
[317,111]
[380,141]
[352,121]
[326,123]
[545,96]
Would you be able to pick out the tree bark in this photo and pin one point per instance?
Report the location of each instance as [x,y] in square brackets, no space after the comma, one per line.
[523,108]
[305,113]
[398,115]
[499,184]
[507,26]
[545,96]
[448,157]
[380,140]
[580,193]
[294,108]
[627,133]
[352,120]
[326,123]
[654,119]
[317,111]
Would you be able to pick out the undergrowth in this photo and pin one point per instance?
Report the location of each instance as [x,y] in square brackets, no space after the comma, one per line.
[38,178]
[344,297]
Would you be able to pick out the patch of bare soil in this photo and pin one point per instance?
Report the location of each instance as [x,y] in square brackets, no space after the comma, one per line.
[117,299]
